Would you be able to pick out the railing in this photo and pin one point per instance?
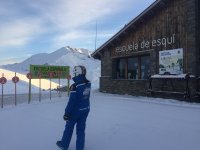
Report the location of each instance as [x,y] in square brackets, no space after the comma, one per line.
[9,99]
[169,78]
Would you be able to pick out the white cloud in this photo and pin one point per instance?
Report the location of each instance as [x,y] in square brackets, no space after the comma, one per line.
[19,32]
[74,35]
[69,37]
[75,13]
[63,16]
[59,22]
[81,37]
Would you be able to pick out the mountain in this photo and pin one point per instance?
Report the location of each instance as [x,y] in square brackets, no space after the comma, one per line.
[65,56]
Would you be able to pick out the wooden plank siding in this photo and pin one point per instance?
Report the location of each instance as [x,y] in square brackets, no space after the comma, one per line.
[174,20]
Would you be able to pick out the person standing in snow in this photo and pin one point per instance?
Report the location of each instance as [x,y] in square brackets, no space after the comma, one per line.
[77,109]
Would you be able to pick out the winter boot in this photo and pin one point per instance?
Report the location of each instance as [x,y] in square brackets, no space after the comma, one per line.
[59,144]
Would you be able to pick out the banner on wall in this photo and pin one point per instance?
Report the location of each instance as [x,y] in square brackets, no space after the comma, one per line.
[171,61]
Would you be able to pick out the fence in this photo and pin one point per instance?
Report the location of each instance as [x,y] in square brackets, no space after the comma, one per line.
[9,99]
[17,98]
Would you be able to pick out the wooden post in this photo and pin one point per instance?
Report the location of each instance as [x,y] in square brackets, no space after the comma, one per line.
[40,90]
[2,97]
[68,82]
[50,88]
[29,95]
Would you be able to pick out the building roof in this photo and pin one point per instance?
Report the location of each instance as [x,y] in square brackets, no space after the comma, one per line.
[132,25]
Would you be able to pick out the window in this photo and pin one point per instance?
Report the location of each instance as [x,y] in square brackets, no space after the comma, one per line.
[121,68]
[145,67]
[133,67]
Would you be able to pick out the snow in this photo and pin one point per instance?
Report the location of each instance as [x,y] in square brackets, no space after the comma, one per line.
[115,122]
[178,76]
[23,84]
[65,56]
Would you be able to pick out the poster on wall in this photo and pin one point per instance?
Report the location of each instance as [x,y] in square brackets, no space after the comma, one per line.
[171,61]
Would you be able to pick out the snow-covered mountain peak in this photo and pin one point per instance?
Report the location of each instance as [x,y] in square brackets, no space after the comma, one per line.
[77,50]
[65,56]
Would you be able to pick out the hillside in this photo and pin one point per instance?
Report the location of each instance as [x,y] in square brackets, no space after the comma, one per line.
[65,56]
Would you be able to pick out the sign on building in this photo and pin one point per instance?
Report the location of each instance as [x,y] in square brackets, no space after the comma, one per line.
[44,71]
[171,61]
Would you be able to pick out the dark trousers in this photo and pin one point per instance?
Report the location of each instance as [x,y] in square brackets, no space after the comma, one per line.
[80,120]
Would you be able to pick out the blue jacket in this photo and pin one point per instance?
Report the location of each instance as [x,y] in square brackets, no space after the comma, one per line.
[79,96]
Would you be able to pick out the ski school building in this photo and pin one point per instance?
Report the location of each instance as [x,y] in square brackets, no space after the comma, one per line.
[156,53]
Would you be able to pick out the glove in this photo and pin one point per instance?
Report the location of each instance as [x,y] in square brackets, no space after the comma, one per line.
[66,117]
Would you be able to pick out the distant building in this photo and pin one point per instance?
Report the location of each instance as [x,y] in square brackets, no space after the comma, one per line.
[163,38]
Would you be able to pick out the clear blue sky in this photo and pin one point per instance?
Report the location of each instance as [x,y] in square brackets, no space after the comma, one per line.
[28,27]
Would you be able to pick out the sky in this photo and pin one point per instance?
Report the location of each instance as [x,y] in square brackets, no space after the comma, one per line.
[30,27]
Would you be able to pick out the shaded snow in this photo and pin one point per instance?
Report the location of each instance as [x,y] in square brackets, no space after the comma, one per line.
[116,122]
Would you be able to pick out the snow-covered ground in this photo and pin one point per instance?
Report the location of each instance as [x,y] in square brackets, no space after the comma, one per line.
[116,122]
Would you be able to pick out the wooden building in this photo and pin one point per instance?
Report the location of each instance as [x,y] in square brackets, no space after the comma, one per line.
[166,27]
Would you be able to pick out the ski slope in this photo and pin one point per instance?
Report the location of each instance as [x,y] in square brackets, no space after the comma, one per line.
[65,56]
[24,82]
[116,122]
